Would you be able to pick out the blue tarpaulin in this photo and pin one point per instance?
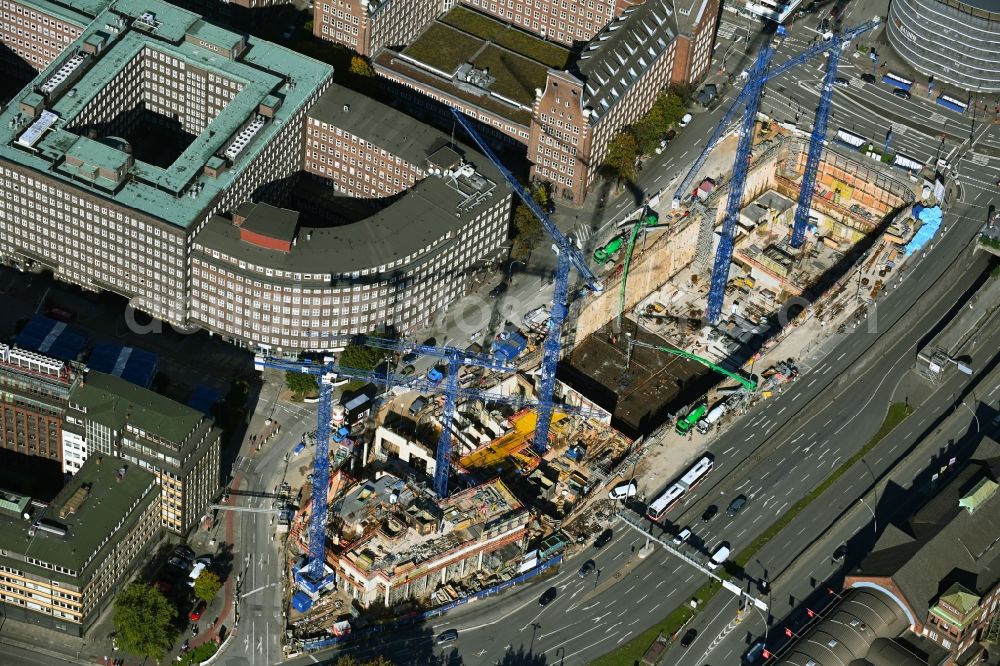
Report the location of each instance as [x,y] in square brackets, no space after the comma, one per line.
[136,366]
[301,601]
[203,398]
[52,338]
[930,219]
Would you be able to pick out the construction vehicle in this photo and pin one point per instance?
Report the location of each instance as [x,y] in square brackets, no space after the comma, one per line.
[647,220]
[602,254]
[685,424]
[712,418]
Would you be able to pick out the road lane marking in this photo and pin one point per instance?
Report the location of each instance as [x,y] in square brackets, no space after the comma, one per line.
[813,381]
[842,355]
[782,410]
[653,609]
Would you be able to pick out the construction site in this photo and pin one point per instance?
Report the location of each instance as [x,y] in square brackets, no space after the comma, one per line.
[699,306]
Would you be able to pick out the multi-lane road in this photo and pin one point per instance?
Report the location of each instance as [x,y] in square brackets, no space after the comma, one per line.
[774,455]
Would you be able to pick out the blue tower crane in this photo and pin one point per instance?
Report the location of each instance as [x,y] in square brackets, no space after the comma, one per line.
[818,138]
[724,253]
[456,358]
[313,574]
[750,96]
[567,255]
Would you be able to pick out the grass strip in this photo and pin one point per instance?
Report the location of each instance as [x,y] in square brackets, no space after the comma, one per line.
[630,653]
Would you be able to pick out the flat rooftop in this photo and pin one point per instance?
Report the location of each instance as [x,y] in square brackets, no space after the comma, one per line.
[177,194]
[77,12]
[515,61]
[656,385]
[421,217]
[109,504]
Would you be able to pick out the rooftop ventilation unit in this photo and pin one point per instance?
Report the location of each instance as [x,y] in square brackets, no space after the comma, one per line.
[244,137]
[37,129]
[63,73]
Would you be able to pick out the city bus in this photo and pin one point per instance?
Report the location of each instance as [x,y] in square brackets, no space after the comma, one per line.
[896,81]
[677,490]
[949,102]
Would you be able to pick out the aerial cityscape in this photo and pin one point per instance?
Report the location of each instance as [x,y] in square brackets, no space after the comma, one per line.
[537,333]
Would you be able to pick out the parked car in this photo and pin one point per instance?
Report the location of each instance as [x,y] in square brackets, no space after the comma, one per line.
[842,82]
[196,612]
[689,637]
[498,290]
[682,536]
[686,120]
[604,538]
[587,567]
[179,563]
[407,370]
[840,552]
[710,513]
[299,448]
[737,505]
[548,596]
[410,357]
[868,78]
[184,553]
[447,636]
[901,93]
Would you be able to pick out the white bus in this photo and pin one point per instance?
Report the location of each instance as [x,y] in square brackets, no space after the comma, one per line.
[688,482]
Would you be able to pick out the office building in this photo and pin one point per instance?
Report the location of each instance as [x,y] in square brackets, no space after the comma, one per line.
[33,33]
[33,393]
[957,42]
[62,562]
[125,146]
[179,445]
[157,157]
[417,213]
[367,25]
[565,107]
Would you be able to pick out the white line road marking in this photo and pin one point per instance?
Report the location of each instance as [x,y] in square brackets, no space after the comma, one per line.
[727,451]
[748,438]
[641,598]
[795,397]
[813,381]
[648,575]
[842,355]
[782,411]
[653,609]
[660,583]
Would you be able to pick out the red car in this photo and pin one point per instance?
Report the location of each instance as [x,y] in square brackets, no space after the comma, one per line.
[196,612]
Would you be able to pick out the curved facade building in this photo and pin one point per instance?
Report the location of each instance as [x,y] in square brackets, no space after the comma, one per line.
[958,43]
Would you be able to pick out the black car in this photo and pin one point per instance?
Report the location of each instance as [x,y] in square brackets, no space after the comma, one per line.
[840,552]
[737,505]
[184,552]
[548,596]
[498,290]
[842,82]
[587,567]
[710,513]
[604,538]
[410,357]
[689,637]
[901,93]
[868,78]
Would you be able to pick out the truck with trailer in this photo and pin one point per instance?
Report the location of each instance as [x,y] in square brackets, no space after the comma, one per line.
[685,424]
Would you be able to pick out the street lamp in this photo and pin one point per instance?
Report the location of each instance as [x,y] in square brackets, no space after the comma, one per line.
[874,519]
[973,412]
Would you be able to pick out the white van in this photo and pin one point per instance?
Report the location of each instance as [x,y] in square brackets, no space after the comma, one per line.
[720,555]
[686,120]
[625,490]
[193,576]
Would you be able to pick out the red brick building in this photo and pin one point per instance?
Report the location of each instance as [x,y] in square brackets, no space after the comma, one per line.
[33,397]
[563,21]
[572,113]
[616,80]
[368,25]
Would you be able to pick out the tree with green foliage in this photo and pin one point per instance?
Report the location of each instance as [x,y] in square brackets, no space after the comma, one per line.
[361,67]
[378,660]
[527,228]
[623,151]
[143,620]
[671,107]
[207,586]
[361,357]
[301,383]
[199,654]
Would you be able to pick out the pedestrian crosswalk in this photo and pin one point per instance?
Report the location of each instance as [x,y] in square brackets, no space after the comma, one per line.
[583,232]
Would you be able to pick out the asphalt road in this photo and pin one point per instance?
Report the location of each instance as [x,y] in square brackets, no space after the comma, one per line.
[936,422]
[590,617]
